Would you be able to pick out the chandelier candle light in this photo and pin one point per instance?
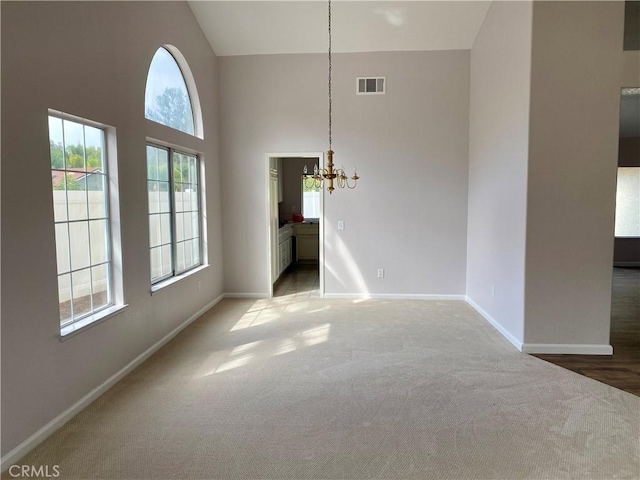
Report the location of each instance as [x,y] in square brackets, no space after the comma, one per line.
[330,173]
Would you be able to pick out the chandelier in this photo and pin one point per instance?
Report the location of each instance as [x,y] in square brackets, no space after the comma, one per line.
[330,173]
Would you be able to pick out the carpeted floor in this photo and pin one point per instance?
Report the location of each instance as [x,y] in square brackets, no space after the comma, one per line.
[311,388]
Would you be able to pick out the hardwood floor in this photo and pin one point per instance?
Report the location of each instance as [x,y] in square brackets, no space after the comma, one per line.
[622,370]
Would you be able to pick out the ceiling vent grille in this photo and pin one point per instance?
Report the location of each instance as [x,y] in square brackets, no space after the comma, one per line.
[371,85]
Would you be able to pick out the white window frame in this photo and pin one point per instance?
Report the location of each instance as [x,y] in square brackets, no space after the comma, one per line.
[112,237]
[175,275]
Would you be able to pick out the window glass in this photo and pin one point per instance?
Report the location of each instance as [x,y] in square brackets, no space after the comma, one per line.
[174,212]
[81,216]
[167,99]
[310,199]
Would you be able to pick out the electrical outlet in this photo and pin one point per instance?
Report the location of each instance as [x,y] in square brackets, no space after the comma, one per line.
[293,208]
[198,285]
[340,224]
[381,273]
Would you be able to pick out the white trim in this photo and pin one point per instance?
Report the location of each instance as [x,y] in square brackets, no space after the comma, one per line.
[246,295]
[167,282]
[43,433]
[393,296]
[503,331]
[81,325]
[567,349]
[77,119]
[271,248]
[626,264]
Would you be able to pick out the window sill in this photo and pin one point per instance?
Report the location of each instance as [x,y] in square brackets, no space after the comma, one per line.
[158,287]
[88,322]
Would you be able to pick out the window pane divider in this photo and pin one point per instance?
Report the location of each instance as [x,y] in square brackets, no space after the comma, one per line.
[80,221]
[172,216]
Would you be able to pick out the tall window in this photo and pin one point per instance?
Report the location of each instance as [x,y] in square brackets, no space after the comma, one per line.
[310,200]
[174,212]
[173,176]
[81,214]
[167,99]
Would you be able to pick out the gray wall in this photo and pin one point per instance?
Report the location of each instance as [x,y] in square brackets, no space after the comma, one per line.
[578,68]
[626,252]
[90,60]
[629,152]
[409,211]
[498,151]
[632,25]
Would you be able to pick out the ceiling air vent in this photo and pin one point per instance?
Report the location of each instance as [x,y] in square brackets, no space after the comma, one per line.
[370,85]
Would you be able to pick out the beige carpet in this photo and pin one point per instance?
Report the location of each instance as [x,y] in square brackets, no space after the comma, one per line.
[311,388]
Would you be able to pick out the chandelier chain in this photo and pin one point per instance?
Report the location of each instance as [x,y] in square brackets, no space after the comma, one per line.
[329,74]
[334,177]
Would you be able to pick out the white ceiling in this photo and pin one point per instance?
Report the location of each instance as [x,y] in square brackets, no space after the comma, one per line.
[265,27]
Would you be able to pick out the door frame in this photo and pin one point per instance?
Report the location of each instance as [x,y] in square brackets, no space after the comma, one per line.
[271,249]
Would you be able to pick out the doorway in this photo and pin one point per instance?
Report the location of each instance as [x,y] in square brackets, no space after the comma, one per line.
[296,245]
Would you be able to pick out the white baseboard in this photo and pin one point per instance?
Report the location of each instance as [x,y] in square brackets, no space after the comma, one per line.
[393,296]
[626,264]
[503,331]
[567,349]
[246,295]
[543,348]
[38,437]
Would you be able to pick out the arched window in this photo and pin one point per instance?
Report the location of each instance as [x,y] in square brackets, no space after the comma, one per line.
[167,99]
[175,173]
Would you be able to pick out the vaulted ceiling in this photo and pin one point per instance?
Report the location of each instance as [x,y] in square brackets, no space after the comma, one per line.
[265,27]
[276,27]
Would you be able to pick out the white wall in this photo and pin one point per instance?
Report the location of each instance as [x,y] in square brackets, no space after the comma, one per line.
[90,60]
[498,150]
[409,211]
[578,68]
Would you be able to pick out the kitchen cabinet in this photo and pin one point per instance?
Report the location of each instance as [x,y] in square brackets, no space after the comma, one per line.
[285,249]
[308,242]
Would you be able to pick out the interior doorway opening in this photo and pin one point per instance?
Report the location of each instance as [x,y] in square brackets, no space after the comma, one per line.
[295,223]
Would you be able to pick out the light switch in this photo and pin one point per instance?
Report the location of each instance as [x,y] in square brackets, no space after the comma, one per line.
[340,224]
